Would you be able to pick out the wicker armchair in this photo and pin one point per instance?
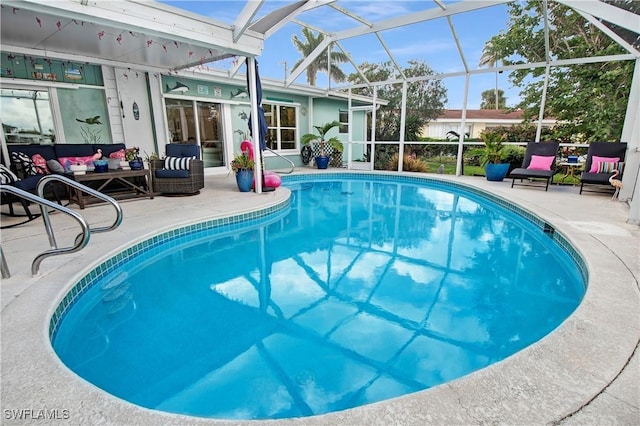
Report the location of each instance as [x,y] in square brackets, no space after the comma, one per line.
[179,172]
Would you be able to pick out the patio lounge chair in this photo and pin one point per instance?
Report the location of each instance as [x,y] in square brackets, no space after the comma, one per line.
[539,164]
[595,174]
[181,172]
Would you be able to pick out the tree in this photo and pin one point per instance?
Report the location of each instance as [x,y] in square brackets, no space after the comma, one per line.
[490,58]
[589,99]
[425,98]
[489,100]
[308,45]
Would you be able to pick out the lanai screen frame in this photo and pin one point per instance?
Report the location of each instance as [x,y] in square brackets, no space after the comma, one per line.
[244,38]
[591,10]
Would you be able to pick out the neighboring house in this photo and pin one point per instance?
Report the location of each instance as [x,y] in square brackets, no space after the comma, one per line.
[476,121]
[90,103]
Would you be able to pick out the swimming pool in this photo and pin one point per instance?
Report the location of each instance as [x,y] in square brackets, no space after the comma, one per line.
[277,296]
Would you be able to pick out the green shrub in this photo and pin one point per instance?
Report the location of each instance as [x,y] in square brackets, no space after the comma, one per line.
[514,156]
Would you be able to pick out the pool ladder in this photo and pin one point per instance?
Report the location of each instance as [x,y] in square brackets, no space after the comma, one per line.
[81,240]
[293,166]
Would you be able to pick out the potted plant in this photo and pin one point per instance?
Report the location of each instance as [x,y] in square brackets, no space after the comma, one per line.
[132,155]
[242,165]
[150,157]
[322,159]
[491,156]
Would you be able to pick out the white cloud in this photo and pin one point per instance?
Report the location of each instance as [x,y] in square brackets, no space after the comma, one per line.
[422,48]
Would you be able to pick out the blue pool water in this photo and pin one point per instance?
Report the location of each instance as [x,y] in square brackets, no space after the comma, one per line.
[361,290]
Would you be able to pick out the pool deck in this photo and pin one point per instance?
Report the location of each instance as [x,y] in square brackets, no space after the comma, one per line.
[585,372]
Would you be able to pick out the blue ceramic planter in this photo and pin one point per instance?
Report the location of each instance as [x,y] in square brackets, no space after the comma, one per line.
[496,172]
[101,166]
[136,165]
[244,179]
[322,162]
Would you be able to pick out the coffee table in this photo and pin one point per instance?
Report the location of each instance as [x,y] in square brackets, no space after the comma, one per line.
[134,183]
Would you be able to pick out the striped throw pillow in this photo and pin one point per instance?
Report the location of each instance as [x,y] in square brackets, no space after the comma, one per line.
[610,166]
[177,163]
[24,163]
[6,175]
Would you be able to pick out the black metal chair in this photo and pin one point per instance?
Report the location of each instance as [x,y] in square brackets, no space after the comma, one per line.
[597,181]
[539,168]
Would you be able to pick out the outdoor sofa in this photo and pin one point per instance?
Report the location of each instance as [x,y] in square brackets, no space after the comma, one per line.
[29,163]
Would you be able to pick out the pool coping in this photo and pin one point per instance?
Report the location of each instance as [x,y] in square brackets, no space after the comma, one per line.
[543,383]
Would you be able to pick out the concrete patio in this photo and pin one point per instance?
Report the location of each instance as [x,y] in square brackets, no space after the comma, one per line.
[585,372]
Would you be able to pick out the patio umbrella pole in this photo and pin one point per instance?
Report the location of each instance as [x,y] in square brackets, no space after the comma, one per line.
[254,130]
[257,121]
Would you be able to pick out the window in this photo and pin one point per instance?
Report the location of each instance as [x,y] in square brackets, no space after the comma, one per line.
[26,116]
[282,125]
[344,121]
[180,117]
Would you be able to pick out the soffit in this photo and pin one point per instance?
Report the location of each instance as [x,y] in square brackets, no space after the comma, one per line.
[125,33]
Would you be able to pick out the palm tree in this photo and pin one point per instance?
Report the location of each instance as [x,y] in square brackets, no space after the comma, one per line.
[490,58]
[305,47]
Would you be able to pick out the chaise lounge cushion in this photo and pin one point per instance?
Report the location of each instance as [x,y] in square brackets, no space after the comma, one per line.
[29,183]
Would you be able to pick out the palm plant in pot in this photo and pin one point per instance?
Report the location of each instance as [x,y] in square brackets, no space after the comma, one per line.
[492,154]
[322,159]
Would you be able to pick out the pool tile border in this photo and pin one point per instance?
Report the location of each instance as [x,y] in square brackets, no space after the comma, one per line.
[151,246]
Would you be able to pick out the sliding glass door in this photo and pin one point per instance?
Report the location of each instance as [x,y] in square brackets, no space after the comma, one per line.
[198,122]
[211,134]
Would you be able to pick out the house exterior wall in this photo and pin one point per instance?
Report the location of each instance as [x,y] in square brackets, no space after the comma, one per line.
[476,121]
[111,93]
[326,110]
[131,88]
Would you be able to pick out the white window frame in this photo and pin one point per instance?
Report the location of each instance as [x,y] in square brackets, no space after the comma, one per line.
[344,125]
[278,128]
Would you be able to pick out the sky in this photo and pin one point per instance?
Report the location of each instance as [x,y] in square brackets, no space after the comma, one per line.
[431,42]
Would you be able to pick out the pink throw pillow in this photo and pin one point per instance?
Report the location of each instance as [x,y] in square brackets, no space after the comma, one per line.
[539,162]
[69,161]
[595,160]
[118,154]
[40,163]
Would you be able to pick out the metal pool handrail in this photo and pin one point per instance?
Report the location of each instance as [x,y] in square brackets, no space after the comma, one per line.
[45,215]
[80,241]
[293,166]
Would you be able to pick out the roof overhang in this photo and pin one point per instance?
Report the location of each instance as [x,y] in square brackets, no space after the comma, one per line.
[220,76]
[122,33]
